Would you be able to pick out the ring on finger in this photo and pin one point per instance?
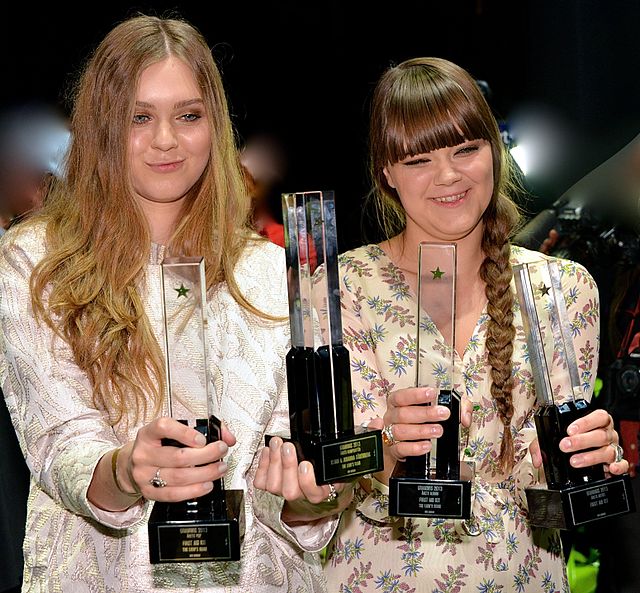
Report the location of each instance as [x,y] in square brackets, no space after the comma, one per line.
[619,453]
[157,481]
[333,493]
[387,436]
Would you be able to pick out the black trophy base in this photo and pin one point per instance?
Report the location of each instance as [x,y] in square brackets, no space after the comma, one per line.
[576,505]
[340,459]
[426,497]
[204,530]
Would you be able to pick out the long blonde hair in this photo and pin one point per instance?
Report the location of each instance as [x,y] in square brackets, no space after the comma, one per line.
[98,242]
[422,105]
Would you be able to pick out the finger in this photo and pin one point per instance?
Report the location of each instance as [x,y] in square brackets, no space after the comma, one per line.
[189,476]
[594,439]
[466,412]
[406,449]
[309,487]
[168,428]
[274,475]
[536,456]
[376,424]
[411,396]
[593,420]
[260,478]
[619,468]
[289,460]
[227,436]
[169,456]
[177,493]
[416,432]
[417,414]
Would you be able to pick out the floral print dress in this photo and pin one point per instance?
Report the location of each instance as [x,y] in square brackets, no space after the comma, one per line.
[496,551]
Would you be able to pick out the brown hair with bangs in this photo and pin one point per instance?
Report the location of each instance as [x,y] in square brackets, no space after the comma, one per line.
[98,241]
[426,104]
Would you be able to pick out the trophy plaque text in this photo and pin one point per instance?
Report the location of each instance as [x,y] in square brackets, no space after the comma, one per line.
[436,484]
[573,496]
[209,528]
[318,364]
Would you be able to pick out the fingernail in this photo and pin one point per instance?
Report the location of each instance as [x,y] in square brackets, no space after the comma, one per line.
[442,411]
[576,461]
[208,487]
[223,448]
[303,468]
[572,429]
[222,466]
[565,444]
[288,449]
[425,446]
[274,444]
[436,430]
[200,440]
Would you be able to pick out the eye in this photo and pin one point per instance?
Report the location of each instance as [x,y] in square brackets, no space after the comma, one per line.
[468,149]
[189,117]
[140,118]
[416,161]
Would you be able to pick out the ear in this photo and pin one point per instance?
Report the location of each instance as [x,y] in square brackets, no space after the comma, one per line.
[388,177]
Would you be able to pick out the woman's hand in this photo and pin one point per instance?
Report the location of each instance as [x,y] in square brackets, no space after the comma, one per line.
[146,468]
[187,472]
[410,424]
[595,432]
[280,473]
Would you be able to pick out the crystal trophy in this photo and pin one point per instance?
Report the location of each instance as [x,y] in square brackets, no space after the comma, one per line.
[436,484]
[318,364]
[211,527]
[572,496]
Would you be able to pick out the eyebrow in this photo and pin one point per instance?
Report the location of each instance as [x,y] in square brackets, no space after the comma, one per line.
[178,105]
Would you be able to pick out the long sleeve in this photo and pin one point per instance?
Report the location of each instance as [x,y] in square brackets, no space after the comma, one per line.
[60,431]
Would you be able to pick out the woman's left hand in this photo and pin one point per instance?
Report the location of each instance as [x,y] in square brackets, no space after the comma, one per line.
[280,473]
[594,440]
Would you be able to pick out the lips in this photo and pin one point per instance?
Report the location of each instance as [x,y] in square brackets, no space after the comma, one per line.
[166,167]
[451,199]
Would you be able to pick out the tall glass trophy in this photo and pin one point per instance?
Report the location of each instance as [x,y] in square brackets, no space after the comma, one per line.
[572,496]
[318,366]
[437,484]
[209,528]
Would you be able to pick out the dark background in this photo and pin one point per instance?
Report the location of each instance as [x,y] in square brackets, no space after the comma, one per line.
[304,72]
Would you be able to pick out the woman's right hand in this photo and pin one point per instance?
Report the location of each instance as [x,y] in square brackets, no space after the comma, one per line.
[411,424]
[188,471]
[181,473]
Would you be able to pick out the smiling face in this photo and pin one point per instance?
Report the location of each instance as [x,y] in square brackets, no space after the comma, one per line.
[446,191]
[170,138]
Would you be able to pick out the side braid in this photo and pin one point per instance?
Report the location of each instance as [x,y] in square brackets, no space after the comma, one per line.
[496,273]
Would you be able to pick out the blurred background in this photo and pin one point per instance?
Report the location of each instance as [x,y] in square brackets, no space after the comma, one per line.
[562,76]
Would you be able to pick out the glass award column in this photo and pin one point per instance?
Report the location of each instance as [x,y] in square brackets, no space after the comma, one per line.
[573,496]
[436,484]
[318,366]
[211,527]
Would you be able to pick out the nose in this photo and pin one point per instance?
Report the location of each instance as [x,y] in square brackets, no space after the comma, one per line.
[164,136]
[447,173]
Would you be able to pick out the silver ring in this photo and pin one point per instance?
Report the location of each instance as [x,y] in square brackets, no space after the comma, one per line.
[387,436]
[333,493]
[157,481]
[619,453]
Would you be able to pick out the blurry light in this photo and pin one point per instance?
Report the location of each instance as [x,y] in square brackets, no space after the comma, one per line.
[520,155]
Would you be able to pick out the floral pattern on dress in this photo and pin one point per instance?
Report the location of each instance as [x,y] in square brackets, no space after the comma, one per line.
[372,552]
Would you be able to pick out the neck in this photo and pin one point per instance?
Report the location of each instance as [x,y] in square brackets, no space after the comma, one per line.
[161,217]
[403,250]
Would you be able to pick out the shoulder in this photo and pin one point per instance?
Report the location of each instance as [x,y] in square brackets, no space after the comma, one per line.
[361,259]
[261,276]
[22,246]
[572,273]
